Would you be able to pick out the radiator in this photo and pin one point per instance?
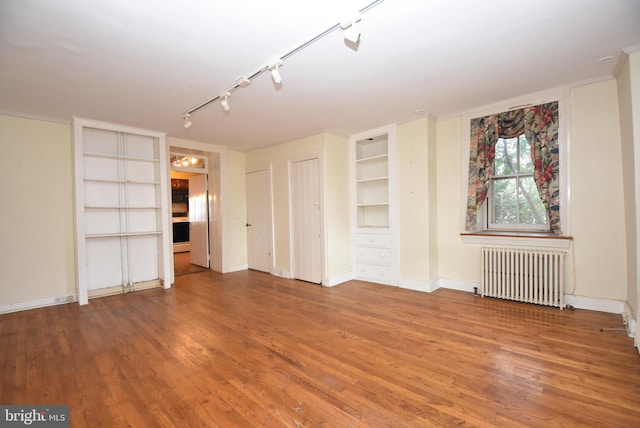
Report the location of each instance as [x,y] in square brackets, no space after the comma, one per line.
[524,275]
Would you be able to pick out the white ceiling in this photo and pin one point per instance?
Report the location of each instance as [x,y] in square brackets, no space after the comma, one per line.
[145,63]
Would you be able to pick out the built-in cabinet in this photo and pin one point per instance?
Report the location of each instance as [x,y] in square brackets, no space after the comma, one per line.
[374,195]
[121,208]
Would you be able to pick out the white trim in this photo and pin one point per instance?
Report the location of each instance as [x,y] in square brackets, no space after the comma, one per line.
[281,273]
[90,123]
[338,279]
[418,285]
[578,302]
[515,241]
[34,117]
[40,303]
[594,304]
[631,322]
[236,268]
[458,285]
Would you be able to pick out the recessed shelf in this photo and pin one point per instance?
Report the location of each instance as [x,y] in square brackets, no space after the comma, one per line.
[122,207]
[120,234]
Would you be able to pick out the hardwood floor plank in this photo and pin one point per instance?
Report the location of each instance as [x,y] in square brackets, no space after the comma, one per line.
[250,349]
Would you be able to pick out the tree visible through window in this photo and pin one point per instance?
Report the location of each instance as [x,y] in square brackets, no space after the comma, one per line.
[514,198]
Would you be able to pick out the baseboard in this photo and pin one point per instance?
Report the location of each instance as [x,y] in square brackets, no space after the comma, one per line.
[578,302]
[593,304]
[458,285]
[281,273]
[236,268]
[630,323]
[338,279]
[39,303]
[418,285]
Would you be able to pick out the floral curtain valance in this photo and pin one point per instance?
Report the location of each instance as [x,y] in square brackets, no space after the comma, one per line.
[540,125]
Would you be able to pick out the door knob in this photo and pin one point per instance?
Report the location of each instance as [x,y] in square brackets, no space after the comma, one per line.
[248,224]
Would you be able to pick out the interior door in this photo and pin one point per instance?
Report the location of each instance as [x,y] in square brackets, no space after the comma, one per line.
[199,220]
[305,199]
[259,239]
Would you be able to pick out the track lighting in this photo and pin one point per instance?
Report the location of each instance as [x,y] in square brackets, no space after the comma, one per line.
[243,82]
[351,32]
[187,121]
[224,101]
[275,71]
[351,36]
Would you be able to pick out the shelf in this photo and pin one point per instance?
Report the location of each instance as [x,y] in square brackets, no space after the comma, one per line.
[121,157]
[376,204]
[116,235]
[367,180]
[122,207]
[372,158]
[108,180]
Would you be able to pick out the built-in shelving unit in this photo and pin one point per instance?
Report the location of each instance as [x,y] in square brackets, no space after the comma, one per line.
[121,208]
[374,178]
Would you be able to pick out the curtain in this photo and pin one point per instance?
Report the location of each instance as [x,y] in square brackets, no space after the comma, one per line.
[541,130]
[484,134]
[540,126]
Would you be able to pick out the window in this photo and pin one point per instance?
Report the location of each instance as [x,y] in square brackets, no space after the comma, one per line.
[514,200]
[515,179]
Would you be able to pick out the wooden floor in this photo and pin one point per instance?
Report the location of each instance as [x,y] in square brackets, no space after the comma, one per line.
[182,264]
[249,349]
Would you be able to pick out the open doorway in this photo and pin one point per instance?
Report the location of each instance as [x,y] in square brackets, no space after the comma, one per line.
[190,213]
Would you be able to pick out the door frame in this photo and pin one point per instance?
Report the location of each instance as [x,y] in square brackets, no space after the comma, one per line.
[216,183]
[323,229]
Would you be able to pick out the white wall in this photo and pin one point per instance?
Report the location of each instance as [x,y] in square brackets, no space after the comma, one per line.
[417,201]
[597,210]
[629,102]
[37,244]
[337,210]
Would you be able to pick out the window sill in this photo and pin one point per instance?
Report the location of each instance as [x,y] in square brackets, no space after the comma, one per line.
[517,239]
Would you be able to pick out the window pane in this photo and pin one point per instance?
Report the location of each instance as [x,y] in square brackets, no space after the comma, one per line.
[530,206]
[504,197]
[506,157]
[526,165]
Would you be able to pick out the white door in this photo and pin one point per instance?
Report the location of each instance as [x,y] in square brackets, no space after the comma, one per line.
[199,220]
[305,199]
[259,240]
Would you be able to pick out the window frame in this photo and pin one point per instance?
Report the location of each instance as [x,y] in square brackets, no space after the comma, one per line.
[561,95]
[490,205]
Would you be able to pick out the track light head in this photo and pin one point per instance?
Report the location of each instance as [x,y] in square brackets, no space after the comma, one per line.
[351,33]
[275,71]
[224,101]
[187,121]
